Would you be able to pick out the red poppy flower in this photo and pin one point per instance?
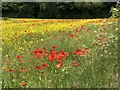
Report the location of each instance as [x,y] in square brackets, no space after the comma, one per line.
[70,52]
[36,51]
[19,70]
[39,54]
[71,35]
[25,69]
[7,69]
[54,47]
[42,73]
[40,51]
[100,20]
[76,30]
[46,53]
[76,53]
[79,51]
[86,49]
[50,58]
[52,52]
[19,56]
[23,83]
[44,48]
[52,55]
[11,70]
[44,65]
[74,63]
[83,53]
[22,61]
[38,67]
[82,27]
[61,55]
[100,40]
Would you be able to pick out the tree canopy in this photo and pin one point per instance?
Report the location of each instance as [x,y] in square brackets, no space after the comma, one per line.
[57,9]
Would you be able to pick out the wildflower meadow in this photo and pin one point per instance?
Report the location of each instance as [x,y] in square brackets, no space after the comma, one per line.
[60,53]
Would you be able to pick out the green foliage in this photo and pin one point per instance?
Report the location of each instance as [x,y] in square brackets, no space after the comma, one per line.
[89,5]
[58,9]
[115,10]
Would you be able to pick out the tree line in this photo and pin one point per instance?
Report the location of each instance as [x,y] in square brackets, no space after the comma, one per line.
[57,9]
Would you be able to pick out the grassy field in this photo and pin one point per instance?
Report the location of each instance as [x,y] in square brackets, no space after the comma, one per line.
[60,53]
